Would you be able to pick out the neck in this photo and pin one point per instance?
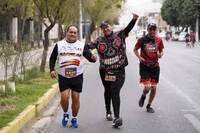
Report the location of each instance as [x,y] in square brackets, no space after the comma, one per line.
[109,34]
[151,37]
[70,41]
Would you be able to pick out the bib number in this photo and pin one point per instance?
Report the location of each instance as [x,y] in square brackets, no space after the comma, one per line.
[110,77]
[70,72]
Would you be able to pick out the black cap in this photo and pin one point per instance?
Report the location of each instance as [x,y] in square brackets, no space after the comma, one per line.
[105,22]
[152,25]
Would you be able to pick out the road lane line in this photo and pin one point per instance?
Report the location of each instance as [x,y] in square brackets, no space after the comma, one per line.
[180,92]
[194,121]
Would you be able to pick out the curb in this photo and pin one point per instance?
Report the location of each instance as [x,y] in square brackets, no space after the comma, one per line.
[29,112]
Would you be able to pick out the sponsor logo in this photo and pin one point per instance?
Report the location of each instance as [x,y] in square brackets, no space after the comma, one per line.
[70,54]
[70,62]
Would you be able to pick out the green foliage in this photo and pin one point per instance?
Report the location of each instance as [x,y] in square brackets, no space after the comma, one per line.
[27,92]
[102,9]
[180,12]
[20,8]
[143,21]
[5,56]
[32,73]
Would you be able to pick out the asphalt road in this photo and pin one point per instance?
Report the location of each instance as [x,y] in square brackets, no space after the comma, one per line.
[177,103]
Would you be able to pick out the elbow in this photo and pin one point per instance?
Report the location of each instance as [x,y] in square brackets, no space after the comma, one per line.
[134,50]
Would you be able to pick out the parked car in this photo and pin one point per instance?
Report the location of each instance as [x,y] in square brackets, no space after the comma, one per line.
[162,35]
[181,37]
[140,33]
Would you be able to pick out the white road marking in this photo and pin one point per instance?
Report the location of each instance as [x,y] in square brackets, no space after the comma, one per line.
[194,121]
[181,93]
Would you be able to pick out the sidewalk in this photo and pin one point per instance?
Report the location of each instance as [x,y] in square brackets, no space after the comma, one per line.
[29,112]
[32,58]
[35,116]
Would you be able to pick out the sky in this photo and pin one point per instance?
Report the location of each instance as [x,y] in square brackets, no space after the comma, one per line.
[137,6]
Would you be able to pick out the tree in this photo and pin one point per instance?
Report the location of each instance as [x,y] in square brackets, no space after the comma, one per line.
[180,12]
[20,9]
[48,11]
[68,15]
[191,10]
[99,10]
[143,22]
[170,12]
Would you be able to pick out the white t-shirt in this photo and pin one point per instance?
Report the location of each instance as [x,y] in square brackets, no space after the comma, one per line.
[70,58]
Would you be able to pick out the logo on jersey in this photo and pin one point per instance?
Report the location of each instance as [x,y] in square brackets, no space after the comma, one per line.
[70,62]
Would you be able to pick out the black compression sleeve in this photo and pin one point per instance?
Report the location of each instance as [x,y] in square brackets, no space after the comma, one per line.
[87,54]
[53,58]
[129,27]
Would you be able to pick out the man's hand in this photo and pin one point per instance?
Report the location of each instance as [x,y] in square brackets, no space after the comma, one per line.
[94,58]
[141,59]
[135,16]
[53,74]
[160,55]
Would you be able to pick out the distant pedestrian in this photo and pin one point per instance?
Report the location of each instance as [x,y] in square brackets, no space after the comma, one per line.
[187,39]
[192,38]
[70,76]
[151,50]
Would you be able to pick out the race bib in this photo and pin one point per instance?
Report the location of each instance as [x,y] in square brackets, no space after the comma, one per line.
[110,77]
[70,72]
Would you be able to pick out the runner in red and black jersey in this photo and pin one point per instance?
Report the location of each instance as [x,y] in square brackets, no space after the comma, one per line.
[111,49]
[151,50]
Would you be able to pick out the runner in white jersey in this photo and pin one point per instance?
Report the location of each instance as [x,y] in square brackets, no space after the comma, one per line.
[70,72]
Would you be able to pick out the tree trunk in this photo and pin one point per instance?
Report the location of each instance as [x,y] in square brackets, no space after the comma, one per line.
[92,29]
[46,46]
[60,31]
[44,54]
[38,34]
[6,69]
[31,33]
[15,65]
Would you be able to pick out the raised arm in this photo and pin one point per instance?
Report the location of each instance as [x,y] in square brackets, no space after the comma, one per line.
[130,26]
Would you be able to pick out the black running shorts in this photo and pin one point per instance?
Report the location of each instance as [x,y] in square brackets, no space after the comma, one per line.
[74,84]
[149,73]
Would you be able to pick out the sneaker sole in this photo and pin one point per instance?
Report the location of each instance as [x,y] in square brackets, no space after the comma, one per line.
[73,126]
[118,123]
[109,119]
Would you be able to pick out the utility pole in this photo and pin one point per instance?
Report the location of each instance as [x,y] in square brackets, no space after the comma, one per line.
[80,23]
[197,30]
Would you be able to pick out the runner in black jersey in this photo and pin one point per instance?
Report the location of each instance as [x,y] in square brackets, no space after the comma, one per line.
[70,75]
[111,49]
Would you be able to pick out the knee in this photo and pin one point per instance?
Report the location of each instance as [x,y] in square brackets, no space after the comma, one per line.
[153,89]
[147,88]
[115,95]
[64,99]
[75,98]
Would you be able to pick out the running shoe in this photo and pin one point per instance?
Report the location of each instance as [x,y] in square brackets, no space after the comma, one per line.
[141,101]
[150,109]
[109,117]
[74,123]
[65,119]
[117,122]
